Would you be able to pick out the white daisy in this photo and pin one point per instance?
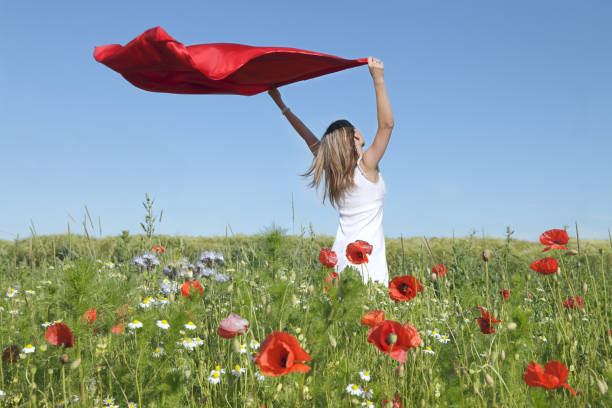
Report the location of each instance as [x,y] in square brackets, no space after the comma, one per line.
[188,343]
[543,338]
[43,347]
[190,326]
[163,324]
[254,344]
[367,393]
[163,301]
[367,403]
[237,370]
[253,356]
[136,324]
[354,389]
[132,405]
[147,303]
[108,401]
[11,292]
[215,377]
[28,349]
[259,376]
[243,349]
[159,351]
[30,292]
[198,341]
[428,350]
[444,339]
[365,375]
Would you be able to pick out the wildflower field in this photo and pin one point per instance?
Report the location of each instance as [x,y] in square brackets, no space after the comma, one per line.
[263,321]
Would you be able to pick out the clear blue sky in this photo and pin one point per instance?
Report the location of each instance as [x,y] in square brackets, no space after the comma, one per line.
[503,116]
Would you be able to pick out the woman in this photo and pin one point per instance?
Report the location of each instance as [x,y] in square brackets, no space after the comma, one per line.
[353,182]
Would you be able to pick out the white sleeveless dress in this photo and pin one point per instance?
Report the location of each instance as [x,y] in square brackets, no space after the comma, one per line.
[361,214]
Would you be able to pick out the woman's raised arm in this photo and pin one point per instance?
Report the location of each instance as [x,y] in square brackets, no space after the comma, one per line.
[372,156]
[311,140]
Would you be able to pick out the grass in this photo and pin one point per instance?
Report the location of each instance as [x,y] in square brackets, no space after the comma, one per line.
[278,285]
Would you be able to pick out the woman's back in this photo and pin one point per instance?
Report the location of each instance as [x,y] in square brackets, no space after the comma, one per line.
[361,213]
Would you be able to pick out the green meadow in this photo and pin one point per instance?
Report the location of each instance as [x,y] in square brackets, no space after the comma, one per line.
[275,281]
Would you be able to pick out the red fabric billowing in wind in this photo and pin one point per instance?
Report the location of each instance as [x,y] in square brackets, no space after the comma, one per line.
[156,62]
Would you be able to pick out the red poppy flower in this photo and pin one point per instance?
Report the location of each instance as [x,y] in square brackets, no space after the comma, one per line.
[331,277]
[11,354]
[439,270]
[90,316]
[232,326]
[392,338]
[404,288]
[485,321]
[553,375]
[545,266]
[505,293]
[373,317]
[396,403]
[280,354]
[573,302]
[356,254]
[554,239]
[117,329]
[365,246]
[328,257]
[186,288]
[159,248]
[60,335]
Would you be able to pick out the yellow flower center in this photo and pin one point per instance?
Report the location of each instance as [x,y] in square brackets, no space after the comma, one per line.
[237,367]
[29,346]
[355,386]
[218,368]
[215,375]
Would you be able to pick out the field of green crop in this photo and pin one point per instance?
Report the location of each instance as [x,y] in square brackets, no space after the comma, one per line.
[151,348]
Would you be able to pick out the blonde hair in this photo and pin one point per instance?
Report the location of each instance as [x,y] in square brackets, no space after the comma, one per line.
[336,159]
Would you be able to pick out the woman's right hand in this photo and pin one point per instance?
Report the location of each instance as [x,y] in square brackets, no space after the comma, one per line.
[376,67]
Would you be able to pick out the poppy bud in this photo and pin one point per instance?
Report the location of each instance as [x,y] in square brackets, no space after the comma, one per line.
[236,345]
[294,300]
[263,299]
[571,252]
[476,386]
[511,325]
[392,338]
[429,372]
[249,399]
[268,309]
[433,276]
[584,288]
[230,288]
[355,401]
[332,341]
[365,307]
[489,379]
[64,358]
[486,255]
[569,317]
[603,387]
[75,364]
[279,387]
[502,355]
[311,289]
[400,370]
